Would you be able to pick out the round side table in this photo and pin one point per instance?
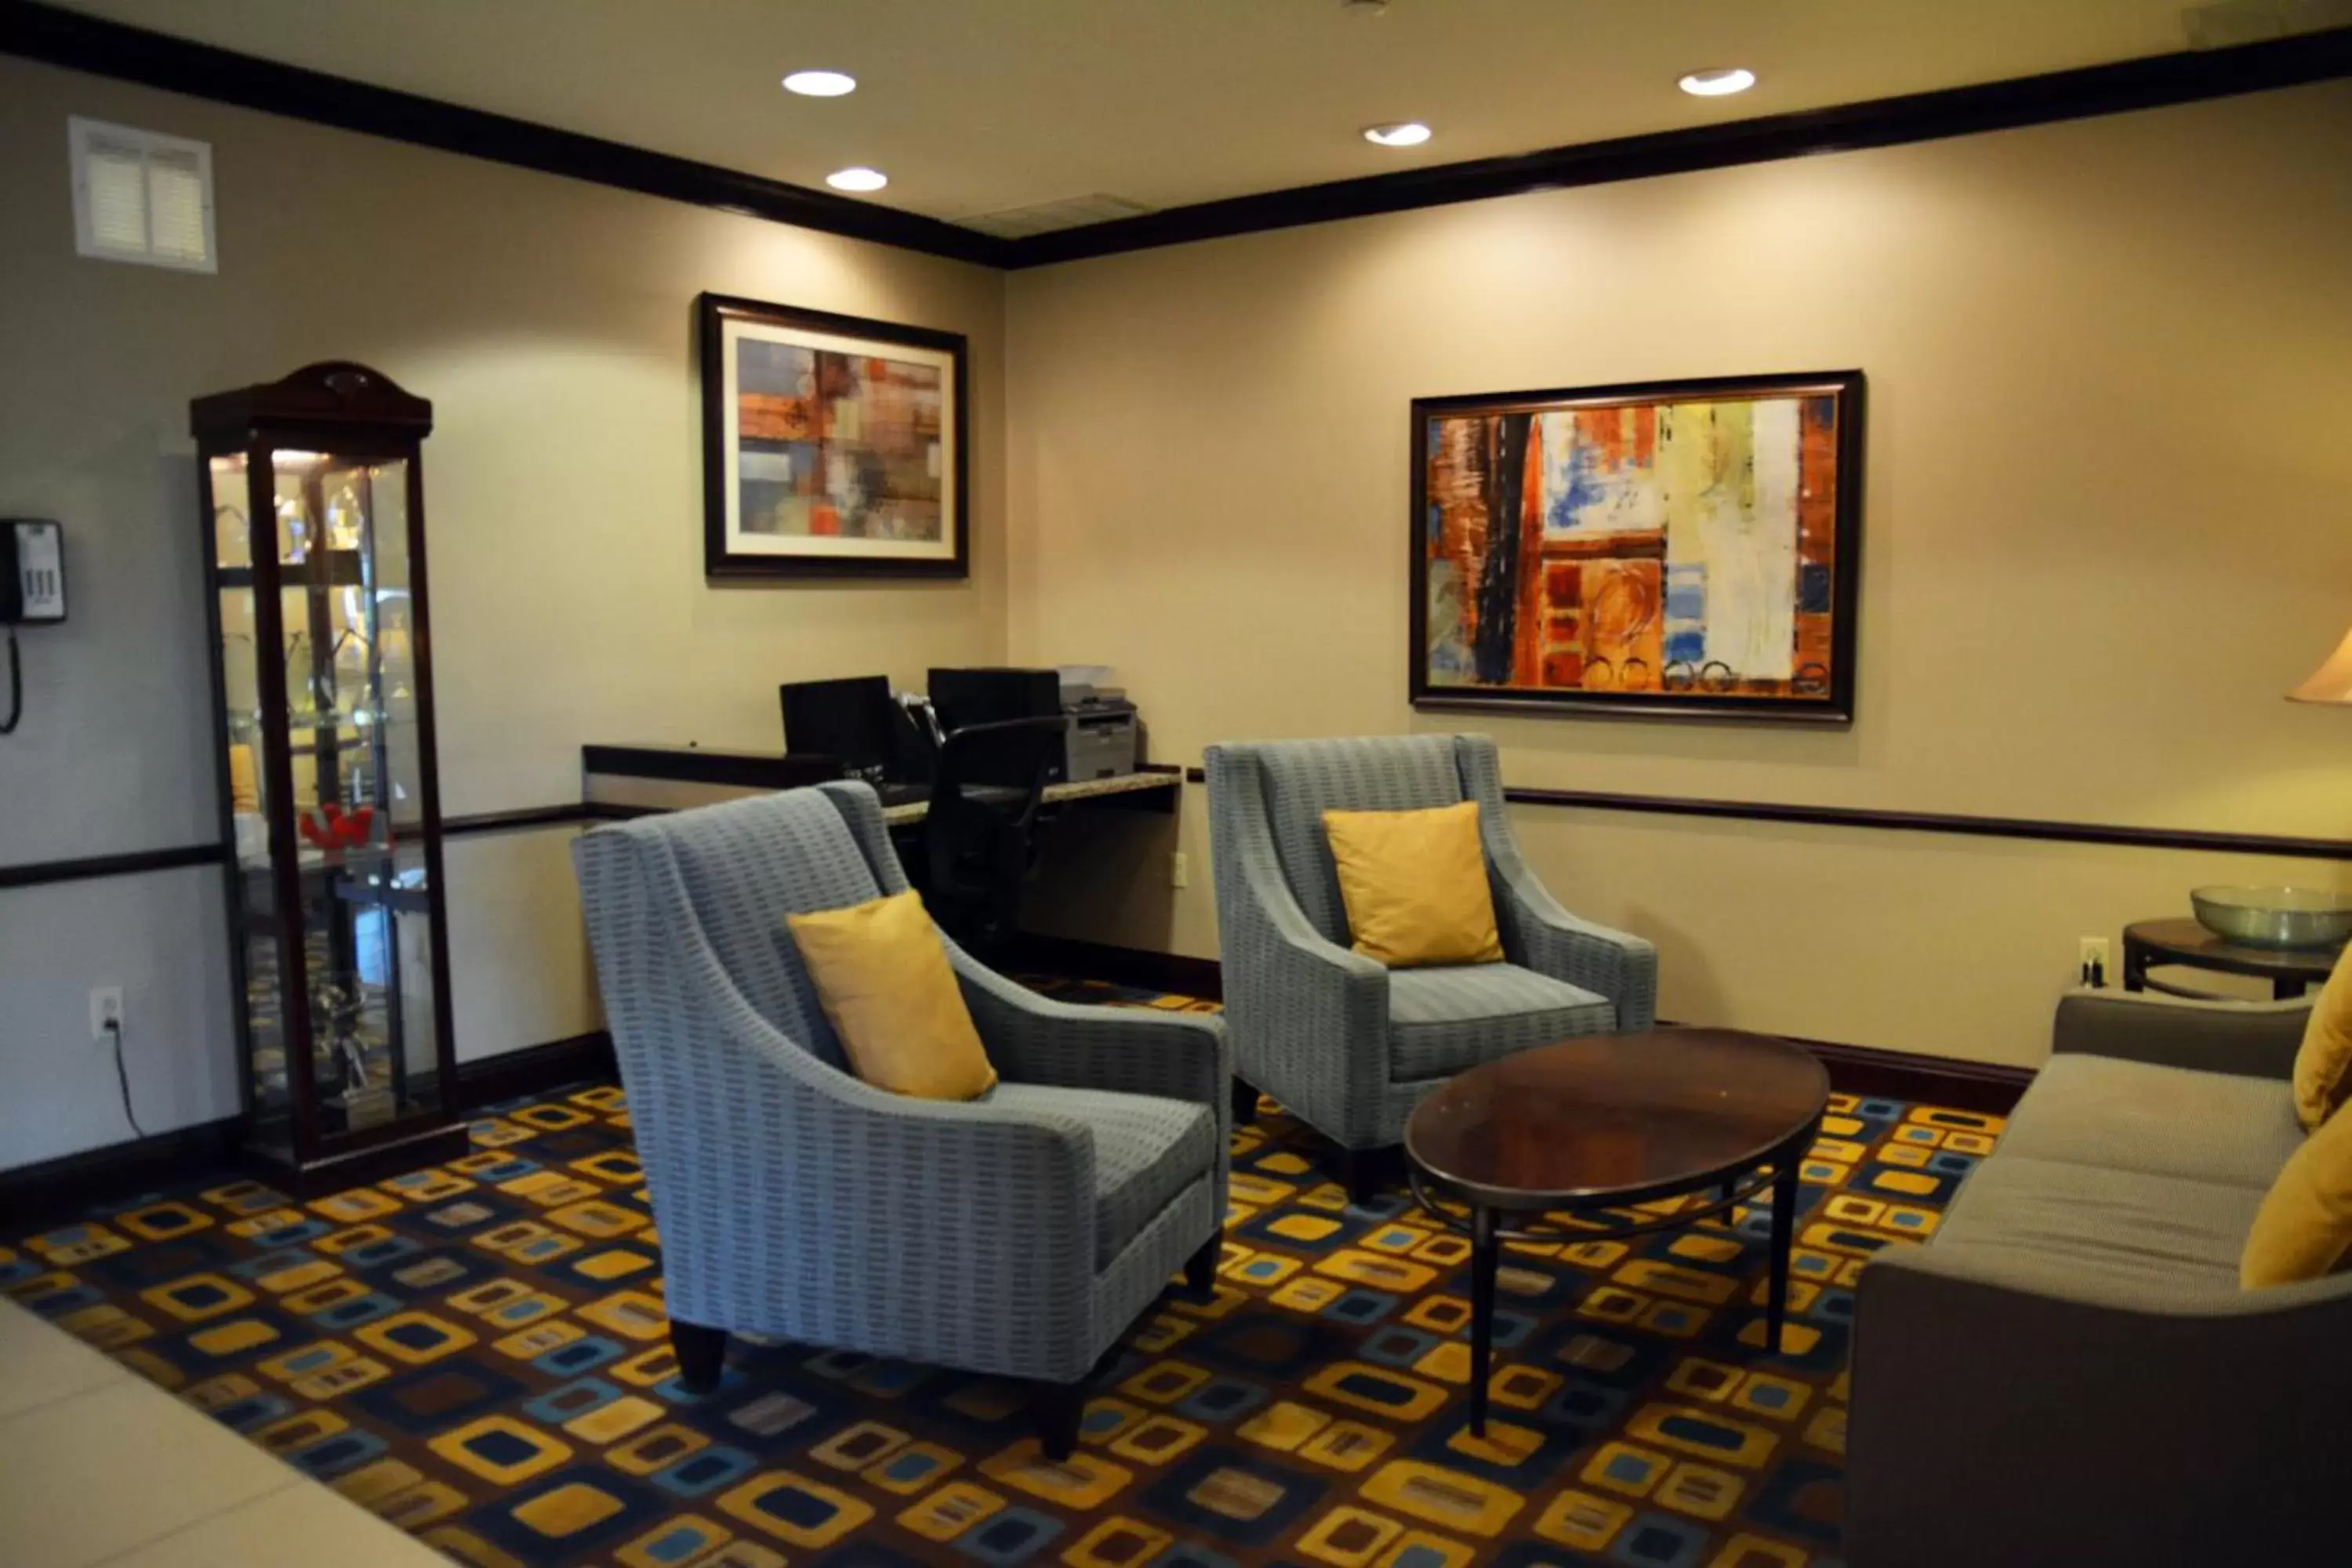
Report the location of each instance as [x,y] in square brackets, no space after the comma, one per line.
[2185,942]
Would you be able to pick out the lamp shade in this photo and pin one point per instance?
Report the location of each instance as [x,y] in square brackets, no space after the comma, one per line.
[2332,681]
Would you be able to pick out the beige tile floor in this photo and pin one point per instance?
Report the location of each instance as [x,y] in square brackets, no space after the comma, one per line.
[96,1466]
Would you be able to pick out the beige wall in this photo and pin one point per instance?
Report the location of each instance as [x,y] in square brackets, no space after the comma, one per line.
[2106,527]
[2105,523]
[550,321]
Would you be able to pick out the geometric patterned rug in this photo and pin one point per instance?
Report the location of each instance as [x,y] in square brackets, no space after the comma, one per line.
[477,1352]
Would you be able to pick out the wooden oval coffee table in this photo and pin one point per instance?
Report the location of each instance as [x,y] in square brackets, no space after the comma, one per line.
[1588,1126]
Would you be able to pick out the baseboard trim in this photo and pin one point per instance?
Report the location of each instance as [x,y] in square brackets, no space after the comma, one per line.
[536,1069]
[72,1183]
[1082,960]
[1866,1070]
[31,1194]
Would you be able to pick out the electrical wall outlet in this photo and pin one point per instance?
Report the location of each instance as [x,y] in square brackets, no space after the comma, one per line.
[105,1009]
[2094,958]
[1180,870]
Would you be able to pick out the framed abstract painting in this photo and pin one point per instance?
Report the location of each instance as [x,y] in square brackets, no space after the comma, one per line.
[1688,549]
[832,446]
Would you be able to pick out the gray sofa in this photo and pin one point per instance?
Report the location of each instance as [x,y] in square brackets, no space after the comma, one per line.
[2067,1371]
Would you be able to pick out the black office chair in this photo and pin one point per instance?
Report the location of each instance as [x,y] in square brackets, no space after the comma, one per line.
[979,837]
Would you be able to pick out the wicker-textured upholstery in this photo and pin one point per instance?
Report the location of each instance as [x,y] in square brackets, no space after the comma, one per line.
[1342,1042]
[1019,1233]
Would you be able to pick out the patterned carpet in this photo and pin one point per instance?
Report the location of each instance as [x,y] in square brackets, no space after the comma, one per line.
[477,1352]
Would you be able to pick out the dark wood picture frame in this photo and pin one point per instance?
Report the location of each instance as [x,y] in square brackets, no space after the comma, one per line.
[713,313]
[1832,705]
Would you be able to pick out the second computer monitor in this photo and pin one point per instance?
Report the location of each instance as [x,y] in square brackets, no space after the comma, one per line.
[967,696]
[851,720]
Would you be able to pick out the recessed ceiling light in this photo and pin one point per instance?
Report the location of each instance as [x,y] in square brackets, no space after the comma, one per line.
[1720,82]
[821,84]
[1403,133]
[858,179]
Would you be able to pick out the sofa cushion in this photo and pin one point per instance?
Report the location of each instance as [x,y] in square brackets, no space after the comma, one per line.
[1451,1017]
[2088,1232]
[1146,1151]
[2164,1122]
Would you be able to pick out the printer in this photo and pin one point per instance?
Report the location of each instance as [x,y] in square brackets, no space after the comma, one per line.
[1104,736]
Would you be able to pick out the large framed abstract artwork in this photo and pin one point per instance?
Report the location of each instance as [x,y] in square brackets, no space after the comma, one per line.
[1674,548]
[832,446]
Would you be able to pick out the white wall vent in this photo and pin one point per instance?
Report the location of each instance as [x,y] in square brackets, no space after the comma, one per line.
[138,195]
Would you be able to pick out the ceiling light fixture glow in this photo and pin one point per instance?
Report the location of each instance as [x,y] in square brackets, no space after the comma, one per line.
[857,179]
[1403,133]
[1719,83]
[821,84]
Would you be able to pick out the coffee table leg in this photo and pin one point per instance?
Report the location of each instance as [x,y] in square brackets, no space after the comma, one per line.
[1482,1248]
[1784,1222]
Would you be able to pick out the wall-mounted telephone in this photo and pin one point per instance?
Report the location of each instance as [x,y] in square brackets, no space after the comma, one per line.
[32,590]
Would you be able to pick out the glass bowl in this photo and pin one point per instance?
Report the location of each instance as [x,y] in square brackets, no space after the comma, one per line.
[2274,917]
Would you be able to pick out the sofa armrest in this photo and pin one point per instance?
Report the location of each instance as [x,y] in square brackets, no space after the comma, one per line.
[1131,1051]
[1997,1418]
[2251,1039]
[1537,930]
[1550,940]
[1127,1050]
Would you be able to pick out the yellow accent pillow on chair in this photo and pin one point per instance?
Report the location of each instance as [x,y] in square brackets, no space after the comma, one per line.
[2304,1228]
[886,987]
[1414,883]
[2323,1067]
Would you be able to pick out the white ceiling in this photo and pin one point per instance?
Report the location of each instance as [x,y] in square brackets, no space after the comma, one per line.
[975,106]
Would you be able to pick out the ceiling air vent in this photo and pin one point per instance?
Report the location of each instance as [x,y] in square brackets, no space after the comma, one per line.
[141,196]
[1072,212]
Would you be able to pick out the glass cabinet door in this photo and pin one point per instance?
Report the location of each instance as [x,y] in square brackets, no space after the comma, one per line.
[343,582]
[255,926]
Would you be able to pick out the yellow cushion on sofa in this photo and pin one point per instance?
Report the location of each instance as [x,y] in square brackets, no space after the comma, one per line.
[1414,883]
[2304,1228]
[886,986]
[2323,1068]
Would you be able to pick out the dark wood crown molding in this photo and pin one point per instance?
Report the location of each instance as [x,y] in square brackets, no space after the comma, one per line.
[2154,83]
[107,48]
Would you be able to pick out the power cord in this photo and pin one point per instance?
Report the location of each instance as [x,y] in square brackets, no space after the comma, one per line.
[122,1077]
[16,687]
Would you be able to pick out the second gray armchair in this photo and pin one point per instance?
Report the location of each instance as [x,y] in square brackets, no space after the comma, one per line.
[1345,1044]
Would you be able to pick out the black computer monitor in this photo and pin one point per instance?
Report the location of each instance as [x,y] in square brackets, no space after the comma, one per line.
[851,719]
[967,696]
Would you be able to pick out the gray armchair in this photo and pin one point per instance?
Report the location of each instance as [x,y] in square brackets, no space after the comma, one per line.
[1345,1044]
[1019,1233]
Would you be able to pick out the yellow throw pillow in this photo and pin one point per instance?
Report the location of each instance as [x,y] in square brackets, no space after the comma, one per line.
[888,989]
[2304,1226]
[2323,1068]
[1414,883]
